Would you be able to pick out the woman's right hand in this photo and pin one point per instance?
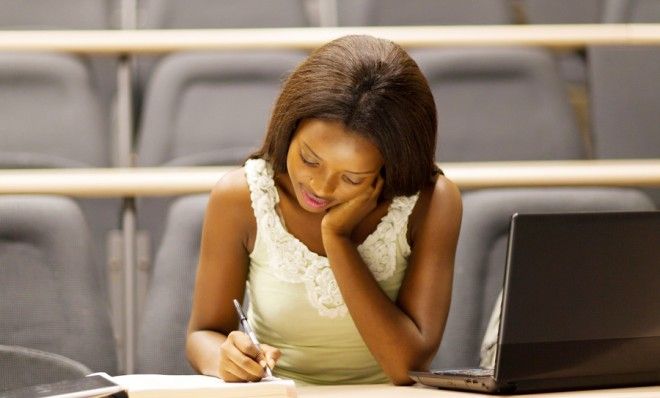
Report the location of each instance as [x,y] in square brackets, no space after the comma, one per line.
[240,360]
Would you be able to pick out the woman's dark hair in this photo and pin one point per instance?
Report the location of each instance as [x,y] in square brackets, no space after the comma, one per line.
[377,91]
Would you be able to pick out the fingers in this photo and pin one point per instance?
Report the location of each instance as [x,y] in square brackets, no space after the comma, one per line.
[244,344]
[234,372]
[239,359]
[370,194]
[272,355]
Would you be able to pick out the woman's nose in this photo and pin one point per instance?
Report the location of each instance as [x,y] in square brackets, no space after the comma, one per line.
[323,185]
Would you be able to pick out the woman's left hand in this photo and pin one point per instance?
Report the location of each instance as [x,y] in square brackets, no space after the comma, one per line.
[340,220]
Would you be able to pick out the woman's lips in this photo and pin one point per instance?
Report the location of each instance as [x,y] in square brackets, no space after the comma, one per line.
[314,201]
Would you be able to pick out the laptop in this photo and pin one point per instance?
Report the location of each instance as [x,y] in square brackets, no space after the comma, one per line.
[580,308]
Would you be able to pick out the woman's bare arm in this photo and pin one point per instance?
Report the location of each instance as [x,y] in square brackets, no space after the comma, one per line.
[221,276]
[404,335]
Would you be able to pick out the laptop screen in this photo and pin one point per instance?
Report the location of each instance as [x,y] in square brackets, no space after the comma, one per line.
[581,296]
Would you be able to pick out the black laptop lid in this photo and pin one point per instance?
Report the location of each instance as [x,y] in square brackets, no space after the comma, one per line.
[582,298]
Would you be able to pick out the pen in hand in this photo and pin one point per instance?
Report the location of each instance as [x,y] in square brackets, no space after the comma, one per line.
[248,330]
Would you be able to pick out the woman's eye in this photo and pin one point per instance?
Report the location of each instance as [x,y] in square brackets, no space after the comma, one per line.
[308,162]
[351,181]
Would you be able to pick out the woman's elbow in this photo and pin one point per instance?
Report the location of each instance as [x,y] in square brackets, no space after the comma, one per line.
[399,376]
[401,380]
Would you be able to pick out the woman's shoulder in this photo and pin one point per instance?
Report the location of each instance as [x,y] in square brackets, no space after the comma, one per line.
[439,200]
[231,194]
[444,190]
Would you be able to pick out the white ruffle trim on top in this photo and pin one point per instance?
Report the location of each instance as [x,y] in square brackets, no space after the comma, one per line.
[293,262]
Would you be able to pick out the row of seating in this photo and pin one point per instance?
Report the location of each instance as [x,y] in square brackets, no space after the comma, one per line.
[168,14]
[172,14]
[212,108]
[52,301]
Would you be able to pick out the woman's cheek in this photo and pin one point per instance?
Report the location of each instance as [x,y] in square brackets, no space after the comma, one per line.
[346,194]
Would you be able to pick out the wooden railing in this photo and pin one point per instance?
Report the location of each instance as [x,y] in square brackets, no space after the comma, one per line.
[159,41]
[156,181]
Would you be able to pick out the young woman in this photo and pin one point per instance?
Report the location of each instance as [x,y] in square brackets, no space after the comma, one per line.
[341,227]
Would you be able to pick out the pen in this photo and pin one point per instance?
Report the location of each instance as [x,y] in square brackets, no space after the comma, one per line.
[250,332]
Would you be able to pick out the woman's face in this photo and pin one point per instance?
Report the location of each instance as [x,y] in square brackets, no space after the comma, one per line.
[329,165]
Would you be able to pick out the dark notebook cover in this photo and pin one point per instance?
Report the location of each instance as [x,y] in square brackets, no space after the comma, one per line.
[95,385]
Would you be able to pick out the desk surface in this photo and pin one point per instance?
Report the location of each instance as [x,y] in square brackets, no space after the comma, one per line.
[388,391]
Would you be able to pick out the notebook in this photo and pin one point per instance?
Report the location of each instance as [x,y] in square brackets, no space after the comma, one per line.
[199,386]
[580,308]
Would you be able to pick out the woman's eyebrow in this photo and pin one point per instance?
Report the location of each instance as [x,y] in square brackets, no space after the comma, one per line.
[360,172]
[310,150]
[306,147]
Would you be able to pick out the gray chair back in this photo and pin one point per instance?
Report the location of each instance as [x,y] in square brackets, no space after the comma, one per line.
[422,12]
[625,90]
[636,11]
[207,109]
[51,114]
[562,11]
[210,108]
[162,330]
[212,14]
[572,63]
[22,367]
[625,93]
[208,14]
[51,296]
[500,104]
[58,14]
[481,254]
[70,15]
[53,117]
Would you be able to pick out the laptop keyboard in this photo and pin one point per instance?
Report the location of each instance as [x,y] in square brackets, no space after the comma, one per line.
[469,372]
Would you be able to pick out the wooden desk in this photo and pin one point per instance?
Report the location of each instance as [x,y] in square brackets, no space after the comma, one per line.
[161,41]
[155,181]
[388,391]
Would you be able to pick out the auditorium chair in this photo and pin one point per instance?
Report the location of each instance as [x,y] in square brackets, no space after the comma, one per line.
[624,85]
[422,12]
[562,11]
[212,14]
[70,15]
[572,62]
[51,114]
[499,104]
[22,367]
[162,328]
[51,298]
[481,253]
[57,109]
[209,14]
[205,109]
[632,11]
[53,117]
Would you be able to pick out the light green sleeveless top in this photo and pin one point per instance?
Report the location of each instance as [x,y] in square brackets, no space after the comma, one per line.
[295,303]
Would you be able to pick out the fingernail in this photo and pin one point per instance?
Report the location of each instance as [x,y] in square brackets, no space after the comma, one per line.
[263,363]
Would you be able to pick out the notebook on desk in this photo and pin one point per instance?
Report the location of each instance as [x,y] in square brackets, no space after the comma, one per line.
[580,308]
